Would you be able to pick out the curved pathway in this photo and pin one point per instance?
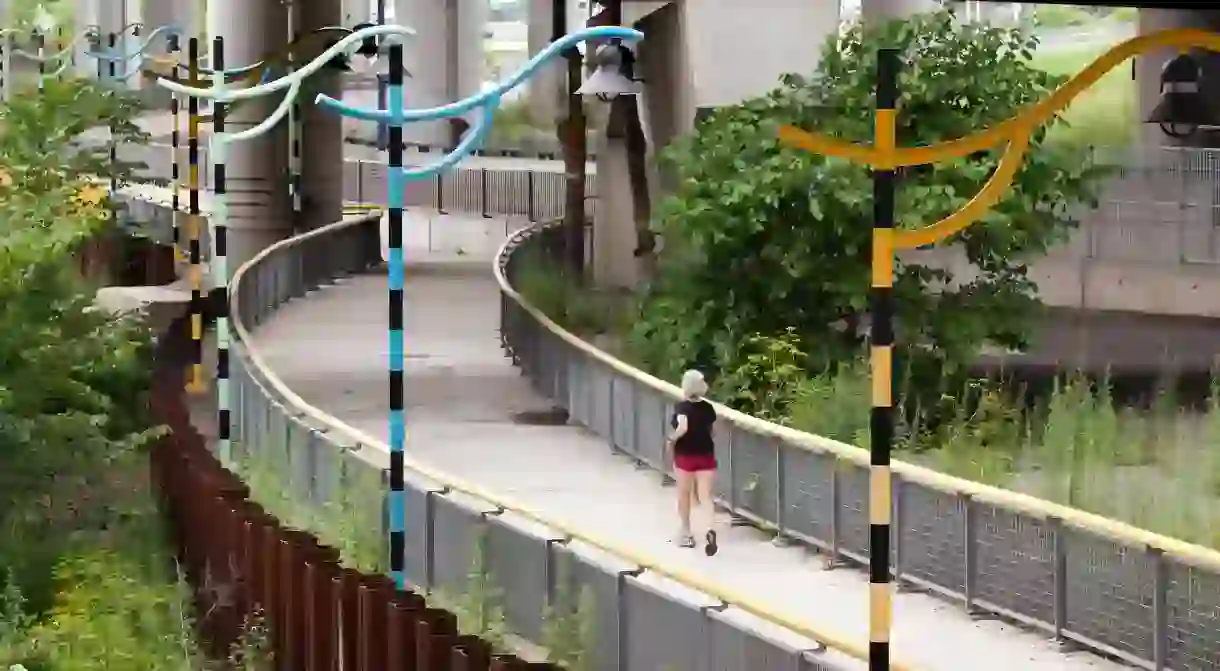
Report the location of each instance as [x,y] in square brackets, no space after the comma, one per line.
[462,399]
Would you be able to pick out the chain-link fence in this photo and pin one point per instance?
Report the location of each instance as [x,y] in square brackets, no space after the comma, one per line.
[503,571]
[1150,600]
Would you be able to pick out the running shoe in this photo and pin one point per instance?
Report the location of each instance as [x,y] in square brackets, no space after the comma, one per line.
[711,548]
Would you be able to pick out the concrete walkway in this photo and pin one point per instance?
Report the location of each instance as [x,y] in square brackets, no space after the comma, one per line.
[462,395]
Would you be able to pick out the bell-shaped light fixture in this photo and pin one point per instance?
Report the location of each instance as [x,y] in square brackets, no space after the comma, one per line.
[613,74]
[368,46]
[1182,109]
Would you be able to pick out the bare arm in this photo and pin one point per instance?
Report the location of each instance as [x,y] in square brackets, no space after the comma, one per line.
[678,432]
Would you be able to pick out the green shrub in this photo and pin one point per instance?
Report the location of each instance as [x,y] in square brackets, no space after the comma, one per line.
[88,579]
[568,300]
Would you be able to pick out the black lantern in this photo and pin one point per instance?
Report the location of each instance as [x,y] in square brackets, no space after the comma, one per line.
[368,46]
[1182,109]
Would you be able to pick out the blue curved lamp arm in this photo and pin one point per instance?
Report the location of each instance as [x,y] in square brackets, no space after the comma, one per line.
[227,95]
[462,106]
[474,137]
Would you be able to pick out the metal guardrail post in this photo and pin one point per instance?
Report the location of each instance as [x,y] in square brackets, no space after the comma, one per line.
[970,562]
[483,198]
[1160,608]
[1059,589]
[780,531]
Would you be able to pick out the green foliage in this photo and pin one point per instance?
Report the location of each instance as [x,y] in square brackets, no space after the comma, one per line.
[480,607]
[567,300]
[759,237]
[86,573]
[349,521]
[766,376]
[570,622]
[1103,116]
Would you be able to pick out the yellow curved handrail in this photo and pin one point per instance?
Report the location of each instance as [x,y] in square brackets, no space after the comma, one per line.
[243,341]
[1016,131]
[1114,530]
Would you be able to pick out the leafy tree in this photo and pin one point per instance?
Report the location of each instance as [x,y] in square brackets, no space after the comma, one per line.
[758,237]
[72,378]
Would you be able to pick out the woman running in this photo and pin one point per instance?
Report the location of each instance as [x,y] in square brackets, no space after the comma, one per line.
[694,457]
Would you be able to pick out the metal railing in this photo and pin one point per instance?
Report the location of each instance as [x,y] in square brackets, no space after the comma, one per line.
[1150,600]
[250,567]
[645,616]
[496,186]
[506,199]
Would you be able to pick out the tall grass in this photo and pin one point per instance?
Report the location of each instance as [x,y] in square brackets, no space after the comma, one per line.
[1103,116]
[1154,468]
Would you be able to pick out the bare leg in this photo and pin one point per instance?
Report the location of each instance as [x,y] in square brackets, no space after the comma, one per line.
[685,488]
[704,482]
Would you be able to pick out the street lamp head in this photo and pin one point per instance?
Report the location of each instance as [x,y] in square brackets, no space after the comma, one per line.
[1182,109]
[368,46]
[614,73]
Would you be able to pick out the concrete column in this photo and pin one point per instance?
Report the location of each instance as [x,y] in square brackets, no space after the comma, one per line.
[873,11]
[258,212]
[445,58]
[548,101]
[86,16]
[321,131]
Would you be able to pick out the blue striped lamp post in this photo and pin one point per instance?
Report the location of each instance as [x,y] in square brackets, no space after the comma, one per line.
[395,118]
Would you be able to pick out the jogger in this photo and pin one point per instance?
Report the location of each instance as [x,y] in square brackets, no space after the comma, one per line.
[694,460]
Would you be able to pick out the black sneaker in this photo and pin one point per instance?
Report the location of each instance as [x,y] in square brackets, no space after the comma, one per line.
[711,548]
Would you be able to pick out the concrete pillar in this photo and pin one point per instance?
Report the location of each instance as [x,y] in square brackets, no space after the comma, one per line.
[548,99]
[106,16]
[258,207]
[873,11]
[321,131]
[445,58]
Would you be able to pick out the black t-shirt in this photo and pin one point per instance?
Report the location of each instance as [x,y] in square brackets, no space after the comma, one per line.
[700,416]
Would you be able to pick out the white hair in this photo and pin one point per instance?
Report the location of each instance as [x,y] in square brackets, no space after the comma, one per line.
[693,384]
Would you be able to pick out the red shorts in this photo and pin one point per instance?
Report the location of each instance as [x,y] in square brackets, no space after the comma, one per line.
[693,463]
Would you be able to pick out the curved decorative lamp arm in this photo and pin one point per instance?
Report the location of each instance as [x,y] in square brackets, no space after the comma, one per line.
[61,55]
[480,99]
[260,64]
[1016,131]
[474,139]
[225,95]
[110,55]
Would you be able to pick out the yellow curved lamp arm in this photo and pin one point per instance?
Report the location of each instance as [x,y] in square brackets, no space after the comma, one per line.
[1016,131]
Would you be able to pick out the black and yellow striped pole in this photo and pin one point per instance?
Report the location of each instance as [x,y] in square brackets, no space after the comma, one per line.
[884,157]
[882,363]
[196,383]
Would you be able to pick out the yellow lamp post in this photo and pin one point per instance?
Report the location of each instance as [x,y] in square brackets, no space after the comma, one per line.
[884,157]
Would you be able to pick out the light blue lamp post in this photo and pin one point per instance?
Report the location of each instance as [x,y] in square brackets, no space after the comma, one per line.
[222,94]
[396,117]
[399,175]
